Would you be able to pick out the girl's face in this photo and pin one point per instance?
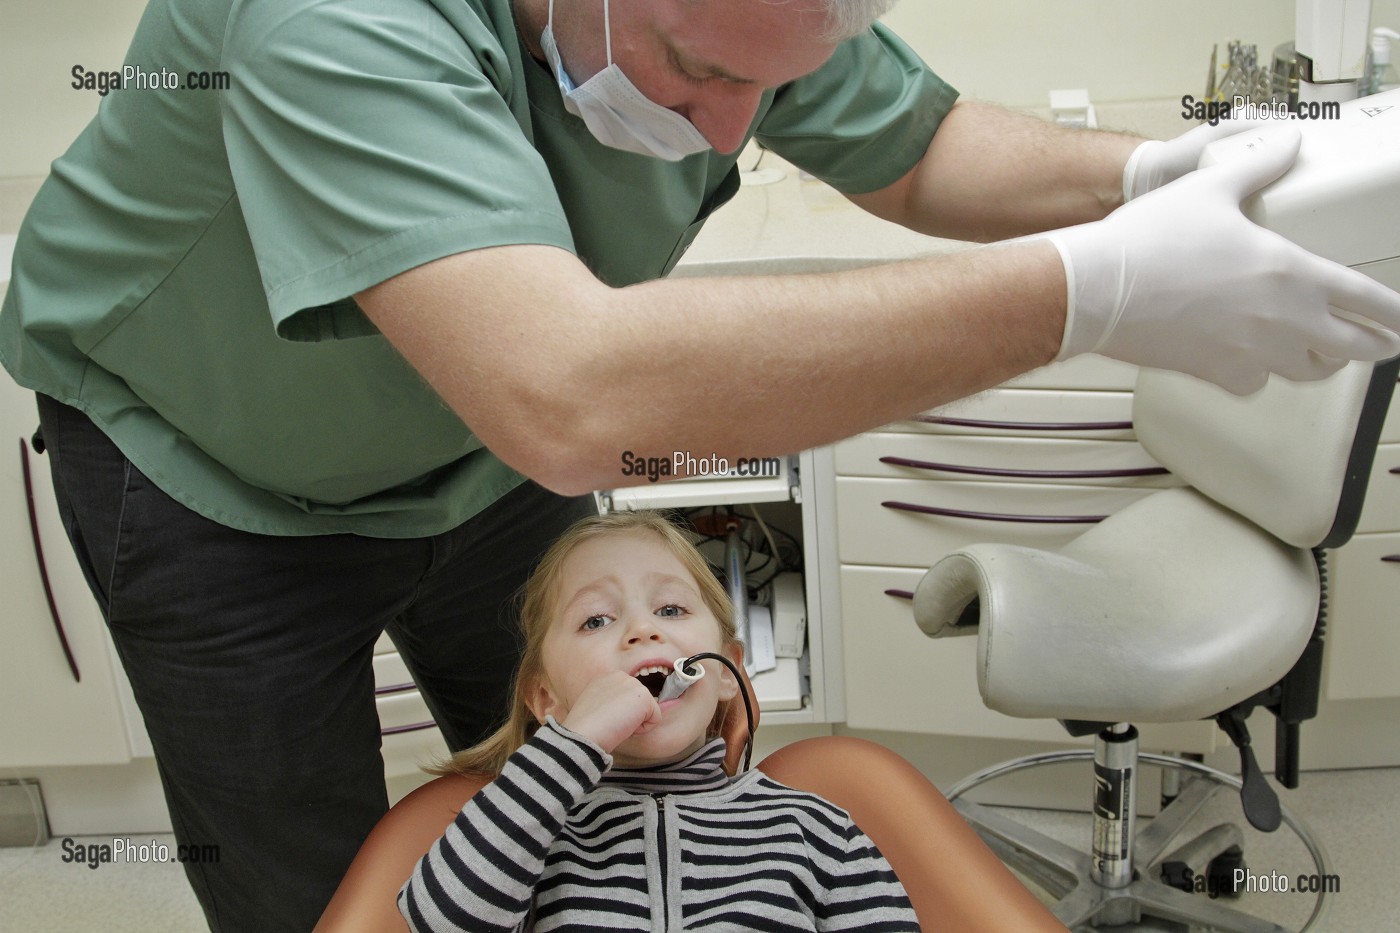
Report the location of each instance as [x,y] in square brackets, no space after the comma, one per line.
[626,603]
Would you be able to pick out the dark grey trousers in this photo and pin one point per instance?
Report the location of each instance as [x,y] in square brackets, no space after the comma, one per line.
[250,658]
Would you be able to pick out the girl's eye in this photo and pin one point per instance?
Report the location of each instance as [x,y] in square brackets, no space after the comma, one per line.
[593,623]
[671,611]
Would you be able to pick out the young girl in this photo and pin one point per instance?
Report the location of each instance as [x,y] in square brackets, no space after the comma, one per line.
[612,809]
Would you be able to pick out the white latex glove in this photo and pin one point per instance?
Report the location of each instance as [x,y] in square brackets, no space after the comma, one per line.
[1180,279]
[1157,162]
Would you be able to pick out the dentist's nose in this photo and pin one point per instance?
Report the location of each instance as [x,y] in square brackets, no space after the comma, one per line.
[724,119]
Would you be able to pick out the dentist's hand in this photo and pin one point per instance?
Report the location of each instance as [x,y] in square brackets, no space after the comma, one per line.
[1180,279]
[611,709]
[1158,162]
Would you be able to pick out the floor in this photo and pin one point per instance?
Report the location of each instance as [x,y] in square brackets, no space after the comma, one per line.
[1355,813]
[1356,820]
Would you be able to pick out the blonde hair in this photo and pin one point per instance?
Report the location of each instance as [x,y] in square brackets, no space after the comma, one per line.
[538,603]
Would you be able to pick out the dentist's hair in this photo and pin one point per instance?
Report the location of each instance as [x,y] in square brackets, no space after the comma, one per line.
[848,18]
[539,601]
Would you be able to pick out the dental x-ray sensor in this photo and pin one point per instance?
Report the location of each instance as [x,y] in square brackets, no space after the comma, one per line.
[1341,198]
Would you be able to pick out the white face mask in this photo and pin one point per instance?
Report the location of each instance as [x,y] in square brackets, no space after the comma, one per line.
[615,112]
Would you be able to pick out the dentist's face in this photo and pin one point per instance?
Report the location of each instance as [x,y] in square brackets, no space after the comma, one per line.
[626,603]
[708,60]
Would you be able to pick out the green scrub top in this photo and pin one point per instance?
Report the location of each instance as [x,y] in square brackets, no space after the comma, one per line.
[185,274]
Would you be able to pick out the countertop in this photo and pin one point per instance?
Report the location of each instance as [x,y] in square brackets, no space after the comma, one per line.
[796,223]
[799,224]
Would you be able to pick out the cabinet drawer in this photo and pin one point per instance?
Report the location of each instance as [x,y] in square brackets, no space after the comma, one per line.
[1000,459]
[402,711]
[390,671]
[900,679]
[60,686]
[406,753]
[1363,634]
[1030,413]
[1382,511]
[897,678]
[877,524]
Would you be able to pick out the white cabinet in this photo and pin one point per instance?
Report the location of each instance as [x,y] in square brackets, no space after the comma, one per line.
[410,738]
[797,691]
[49,716]
[1034,463]
[1363,633]
[58,712]
[1056,446]
[63,697]
[51,712]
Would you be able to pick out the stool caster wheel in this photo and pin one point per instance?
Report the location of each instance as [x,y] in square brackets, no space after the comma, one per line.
[1221,872]
[1178,875]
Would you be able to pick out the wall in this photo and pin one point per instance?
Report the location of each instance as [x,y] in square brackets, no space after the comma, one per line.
[1011,51]
[1015,51]
[40,113]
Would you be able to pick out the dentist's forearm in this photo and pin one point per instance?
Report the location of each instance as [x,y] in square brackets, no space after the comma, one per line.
[559,374]
[992,174]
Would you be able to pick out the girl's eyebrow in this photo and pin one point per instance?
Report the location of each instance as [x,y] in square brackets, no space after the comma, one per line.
[603,584]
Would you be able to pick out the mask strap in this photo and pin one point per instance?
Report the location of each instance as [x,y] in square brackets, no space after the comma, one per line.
[607,26]
[607,30]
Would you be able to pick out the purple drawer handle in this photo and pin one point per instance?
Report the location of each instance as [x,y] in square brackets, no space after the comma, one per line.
[1391,558]
[1024,474]
[1027,425]
[1395,469]
[415,727]
[997,517]
[43,566]
[902,594]
[395,688]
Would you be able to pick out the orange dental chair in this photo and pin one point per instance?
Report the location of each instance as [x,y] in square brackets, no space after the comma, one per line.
[956,883]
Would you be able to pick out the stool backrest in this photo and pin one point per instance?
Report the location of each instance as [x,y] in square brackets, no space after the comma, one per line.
[1294,458]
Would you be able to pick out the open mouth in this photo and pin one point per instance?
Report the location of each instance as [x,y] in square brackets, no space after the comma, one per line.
[653,678]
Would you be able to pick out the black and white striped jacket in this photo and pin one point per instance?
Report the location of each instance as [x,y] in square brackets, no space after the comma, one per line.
[559,842]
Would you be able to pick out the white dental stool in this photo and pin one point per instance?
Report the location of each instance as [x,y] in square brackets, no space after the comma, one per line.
[1203,601]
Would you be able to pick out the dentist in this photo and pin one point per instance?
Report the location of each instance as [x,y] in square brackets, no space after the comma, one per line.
[334,350]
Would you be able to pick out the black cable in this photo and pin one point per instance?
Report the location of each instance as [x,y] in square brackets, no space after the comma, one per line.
[688,666]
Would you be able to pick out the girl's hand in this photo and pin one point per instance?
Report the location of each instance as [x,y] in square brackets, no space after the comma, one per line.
[612,709]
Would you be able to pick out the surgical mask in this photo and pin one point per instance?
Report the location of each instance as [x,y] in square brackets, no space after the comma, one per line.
[615,112]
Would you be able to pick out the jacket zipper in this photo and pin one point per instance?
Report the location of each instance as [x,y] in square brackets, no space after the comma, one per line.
[660,801]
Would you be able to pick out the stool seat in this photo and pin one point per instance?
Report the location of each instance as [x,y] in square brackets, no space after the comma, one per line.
[1170,610]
